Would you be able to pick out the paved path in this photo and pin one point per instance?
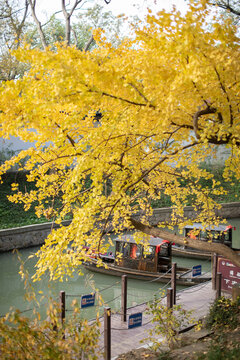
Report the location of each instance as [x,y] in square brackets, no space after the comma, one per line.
[197,298]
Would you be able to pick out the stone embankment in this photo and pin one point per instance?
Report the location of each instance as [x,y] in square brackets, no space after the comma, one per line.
[25,236]
[228,211]
[34,235]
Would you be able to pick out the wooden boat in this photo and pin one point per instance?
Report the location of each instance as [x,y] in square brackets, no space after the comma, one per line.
[180,251]
[218,234]
[150,263]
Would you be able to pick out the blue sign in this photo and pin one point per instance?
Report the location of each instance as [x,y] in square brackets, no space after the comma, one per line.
[87,300]
[196,270]
[135,320]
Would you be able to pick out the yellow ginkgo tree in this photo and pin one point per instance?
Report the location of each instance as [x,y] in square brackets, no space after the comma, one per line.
[116,129]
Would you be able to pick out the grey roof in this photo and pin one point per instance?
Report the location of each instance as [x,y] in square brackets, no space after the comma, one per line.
[154,241]
[211,227]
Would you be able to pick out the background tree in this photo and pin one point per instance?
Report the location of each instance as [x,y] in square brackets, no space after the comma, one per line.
[94,18]
[12,27]
[84,23]
[17,25]
[232,6]
[167,99]
[227,7]
[67,11]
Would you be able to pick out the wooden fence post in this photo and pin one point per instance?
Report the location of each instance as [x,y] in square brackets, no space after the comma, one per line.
[169,298]
[214,270]
[124,299]
[218,285]
[173,281]
[107,333]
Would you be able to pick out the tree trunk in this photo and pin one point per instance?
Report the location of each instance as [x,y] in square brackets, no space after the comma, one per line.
[38,24]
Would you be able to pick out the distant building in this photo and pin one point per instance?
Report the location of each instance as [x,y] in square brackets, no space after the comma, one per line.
[11,147]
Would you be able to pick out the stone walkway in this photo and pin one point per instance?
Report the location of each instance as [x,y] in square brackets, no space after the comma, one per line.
[197,298]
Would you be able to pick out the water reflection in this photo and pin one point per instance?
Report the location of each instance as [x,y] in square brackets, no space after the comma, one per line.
[12,287]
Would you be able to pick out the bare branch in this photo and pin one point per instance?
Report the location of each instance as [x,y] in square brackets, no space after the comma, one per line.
[89,43]
[67,16]
[75,35]
[14,22]
[38,23]
[226,6]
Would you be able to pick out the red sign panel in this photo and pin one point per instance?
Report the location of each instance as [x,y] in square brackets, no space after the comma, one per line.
[230,274]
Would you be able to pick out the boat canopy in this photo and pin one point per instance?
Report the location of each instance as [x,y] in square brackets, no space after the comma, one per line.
[220,234]
[153,241]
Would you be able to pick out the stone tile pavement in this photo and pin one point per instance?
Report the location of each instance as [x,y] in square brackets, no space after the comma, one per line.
[197,298]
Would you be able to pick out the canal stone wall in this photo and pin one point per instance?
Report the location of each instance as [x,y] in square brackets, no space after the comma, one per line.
[25,236]
[228,211]
[34,235]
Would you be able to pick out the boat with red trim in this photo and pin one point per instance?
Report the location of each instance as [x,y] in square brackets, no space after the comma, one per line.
[152,262]
[218,234]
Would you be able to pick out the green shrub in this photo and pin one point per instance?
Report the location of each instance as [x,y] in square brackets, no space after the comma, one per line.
[51,338]
[223,312]
[22,338]
[167,323]
[220,351]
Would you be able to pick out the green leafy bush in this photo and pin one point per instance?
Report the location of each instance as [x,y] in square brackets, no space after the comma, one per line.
[51,338]
[22,338]
[223,312]
[167,323]
[218,351]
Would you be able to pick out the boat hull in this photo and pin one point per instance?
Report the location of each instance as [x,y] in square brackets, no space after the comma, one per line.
[183,277]
[186,253]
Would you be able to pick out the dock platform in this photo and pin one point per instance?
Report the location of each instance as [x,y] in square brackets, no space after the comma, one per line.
[197,298]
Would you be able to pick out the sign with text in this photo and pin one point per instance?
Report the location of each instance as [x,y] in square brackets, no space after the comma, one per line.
[135,320]
[230,274]
[196,270]
[87,300]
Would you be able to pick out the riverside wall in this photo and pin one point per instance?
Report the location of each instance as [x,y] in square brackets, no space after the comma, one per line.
[25,236]
[227,211]
[34,235]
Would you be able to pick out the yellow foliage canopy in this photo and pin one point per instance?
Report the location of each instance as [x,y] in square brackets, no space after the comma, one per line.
[166,99]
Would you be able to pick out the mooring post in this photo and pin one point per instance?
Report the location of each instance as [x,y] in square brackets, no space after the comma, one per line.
[107,333]
[124,299]
[173,281]
[62,298]
[218,285]
[214,270]
[169,298]
[235,292]
[62,306]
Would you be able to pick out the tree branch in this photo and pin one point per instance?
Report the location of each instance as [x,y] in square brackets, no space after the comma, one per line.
[208,110]
[67,136]
[125,100]
[220,249]
[225,92]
